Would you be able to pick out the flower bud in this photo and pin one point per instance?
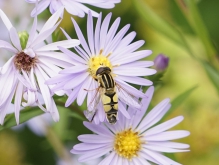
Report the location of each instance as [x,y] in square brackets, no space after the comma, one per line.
[23,36]
[161,62]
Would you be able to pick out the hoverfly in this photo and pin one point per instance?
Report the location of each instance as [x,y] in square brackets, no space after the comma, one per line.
[108,94]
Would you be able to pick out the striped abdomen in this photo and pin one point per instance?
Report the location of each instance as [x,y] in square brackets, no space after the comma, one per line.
[110,105]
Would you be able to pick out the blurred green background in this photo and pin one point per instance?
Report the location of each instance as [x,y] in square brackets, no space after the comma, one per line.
[200,109]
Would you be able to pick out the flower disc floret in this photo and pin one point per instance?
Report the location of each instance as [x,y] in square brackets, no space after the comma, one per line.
[127,144]
[22,61]
[97,61]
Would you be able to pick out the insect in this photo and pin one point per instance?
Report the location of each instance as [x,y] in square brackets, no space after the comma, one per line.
[108,94]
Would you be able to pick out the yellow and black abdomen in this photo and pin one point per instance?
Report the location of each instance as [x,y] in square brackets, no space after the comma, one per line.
[110,105]
[109,97]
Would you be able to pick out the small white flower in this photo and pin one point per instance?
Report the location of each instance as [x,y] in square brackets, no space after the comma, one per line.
[32,63]
[136,141]
[74,7]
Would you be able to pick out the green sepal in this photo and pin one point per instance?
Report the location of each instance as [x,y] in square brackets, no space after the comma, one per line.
[23,36]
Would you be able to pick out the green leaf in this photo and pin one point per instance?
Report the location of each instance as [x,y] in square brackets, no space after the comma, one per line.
[25,115]
[77,116]
[195,20]
[155,21]
[161,25]
[212,73]
[179,100]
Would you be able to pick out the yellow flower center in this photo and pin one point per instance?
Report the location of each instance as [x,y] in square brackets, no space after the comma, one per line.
[127,144]
[97,61]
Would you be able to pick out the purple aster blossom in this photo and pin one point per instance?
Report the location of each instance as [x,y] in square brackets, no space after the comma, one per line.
[139,140]
[161,62]
[32,62]
[74,7]
[106,48]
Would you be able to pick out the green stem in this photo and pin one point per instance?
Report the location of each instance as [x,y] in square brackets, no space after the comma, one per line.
[57,145]
[191,13]
[71,107]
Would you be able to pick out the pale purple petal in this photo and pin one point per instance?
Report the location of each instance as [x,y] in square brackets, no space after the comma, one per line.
[169,144]
[133,71]
[94,154]
[108,160]
[74,69]
[126,50]
[7,46]
[97,34]
[123,110]
[156,156]
[77,80]
[103,30]
[8,65]
[4,109]
[81,37]
[133,57]
[54,46]
[141,161]
[72,55]
[136,80]
[54,111]
[141,64]
[123,43]
[169,135]
[40,8]
[43,88]
[66,34]
[95,139]
[129,88]
[153,114]
[171,162]
[164,126]
[57,79]
[17,101]
[100,129]
[73,96]
[15,38]
[115,42]
[90,32]
[43,35]
[115,158]
[144,155]
[9,79]
[5,20]
[162,149]
[53,56]
[82,92]
[145,103]
[32,33]
[112,31]
[52,21]
[89,146]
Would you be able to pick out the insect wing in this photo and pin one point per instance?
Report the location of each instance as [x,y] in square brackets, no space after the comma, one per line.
[128,98]
[94,101]
[89,114]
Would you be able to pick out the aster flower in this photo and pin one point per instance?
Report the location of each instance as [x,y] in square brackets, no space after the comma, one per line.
[139,140]
[22,77]
[105,48]
[74,7]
